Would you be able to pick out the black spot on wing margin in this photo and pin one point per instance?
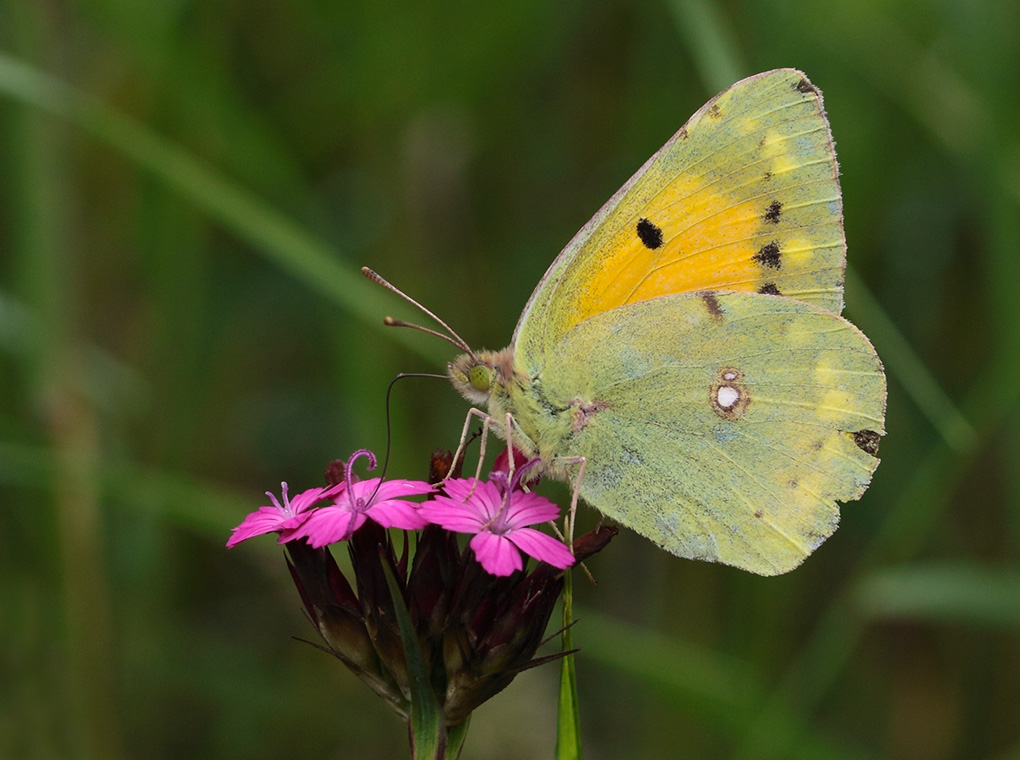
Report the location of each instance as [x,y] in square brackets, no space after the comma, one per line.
[867,441]
[806,87]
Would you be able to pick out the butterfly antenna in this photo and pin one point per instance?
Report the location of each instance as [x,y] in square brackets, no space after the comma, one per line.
[451,335]
[391,322]
[389,430]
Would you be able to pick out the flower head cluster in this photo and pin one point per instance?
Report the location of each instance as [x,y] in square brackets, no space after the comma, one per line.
[477,615]
[498,514]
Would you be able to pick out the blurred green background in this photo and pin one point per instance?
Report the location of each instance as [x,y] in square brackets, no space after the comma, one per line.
[187,190]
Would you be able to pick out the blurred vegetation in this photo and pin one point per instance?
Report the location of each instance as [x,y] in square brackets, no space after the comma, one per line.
[188,189]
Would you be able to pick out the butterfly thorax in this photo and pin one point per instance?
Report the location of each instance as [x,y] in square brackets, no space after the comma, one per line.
[540,426]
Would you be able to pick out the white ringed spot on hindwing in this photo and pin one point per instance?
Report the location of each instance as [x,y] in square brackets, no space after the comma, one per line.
[728,394]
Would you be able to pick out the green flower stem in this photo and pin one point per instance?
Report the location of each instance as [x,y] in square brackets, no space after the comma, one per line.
[568,727]
[427,725]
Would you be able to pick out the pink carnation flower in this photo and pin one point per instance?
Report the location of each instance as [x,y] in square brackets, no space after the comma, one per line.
[277,518]
[499,518]
[354,501]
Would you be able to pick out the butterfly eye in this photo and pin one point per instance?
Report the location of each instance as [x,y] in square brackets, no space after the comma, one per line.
[480,377]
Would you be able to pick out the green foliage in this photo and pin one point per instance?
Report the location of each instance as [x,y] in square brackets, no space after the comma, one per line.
[188,191]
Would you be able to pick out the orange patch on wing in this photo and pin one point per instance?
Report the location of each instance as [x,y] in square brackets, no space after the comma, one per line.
[708,241]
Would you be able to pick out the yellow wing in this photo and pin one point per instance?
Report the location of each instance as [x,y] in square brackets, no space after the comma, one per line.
[745,197]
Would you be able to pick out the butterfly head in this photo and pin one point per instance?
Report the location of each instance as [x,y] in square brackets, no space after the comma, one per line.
[475,376]
[472,374]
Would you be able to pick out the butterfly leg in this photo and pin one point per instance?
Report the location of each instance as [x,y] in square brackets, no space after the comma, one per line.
[487,422]
[486,419]
[582,463]
[568,521]
[511,463]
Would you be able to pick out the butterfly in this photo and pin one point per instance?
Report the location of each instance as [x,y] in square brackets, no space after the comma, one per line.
[683,361]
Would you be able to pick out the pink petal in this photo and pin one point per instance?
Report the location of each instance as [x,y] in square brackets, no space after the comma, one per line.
[390,489]
[453,514]
[458,488]
[263,520]
[398,489]
[530,509]
[309,498]
[496,554]
[397,513]
[485,497]
[542,547]
[326,526]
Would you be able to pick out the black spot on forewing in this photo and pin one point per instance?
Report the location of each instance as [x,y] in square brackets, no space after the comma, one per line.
[769,289]
[867,441]
[715,112]
[805,87]
[773,212]
[769,256]
[767,176]
[712,304]
[650,235]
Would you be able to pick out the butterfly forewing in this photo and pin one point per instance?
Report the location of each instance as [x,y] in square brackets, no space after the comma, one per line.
[745,197]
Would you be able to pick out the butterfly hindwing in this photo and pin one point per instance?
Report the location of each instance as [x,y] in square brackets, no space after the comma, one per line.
[723,426]
[744,197]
